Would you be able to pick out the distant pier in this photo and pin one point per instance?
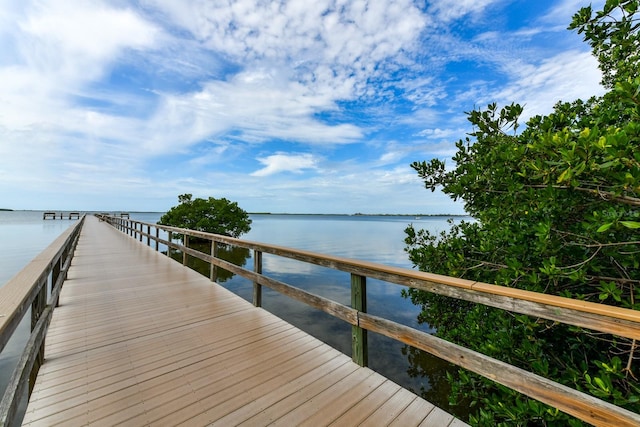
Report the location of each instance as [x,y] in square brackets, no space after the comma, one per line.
[117,215]
[54,215]
[76,215]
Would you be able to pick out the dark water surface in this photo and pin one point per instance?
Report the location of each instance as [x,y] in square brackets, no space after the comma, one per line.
[377,239]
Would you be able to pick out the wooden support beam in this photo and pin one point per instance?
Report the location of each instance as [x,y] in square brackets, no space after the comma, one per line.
[359,350]
[257,287]
[184,253]
[213,270]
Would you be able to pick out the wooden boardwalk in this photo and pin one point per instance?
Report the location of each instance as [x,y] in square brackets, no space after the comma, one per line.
[139,340]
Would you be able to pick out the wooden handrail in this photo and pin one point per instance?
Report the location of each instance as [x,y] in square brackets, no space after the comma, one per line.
[598,317]
[28,289]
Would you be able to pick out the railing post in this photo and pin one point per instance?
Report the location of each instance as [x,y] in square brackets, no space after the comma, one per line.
[359,351]
[55,272]
[148,235]
[186,245]
[257,288]
[213,272]
[157,237]
[141,232]
[169,238]
[37,308]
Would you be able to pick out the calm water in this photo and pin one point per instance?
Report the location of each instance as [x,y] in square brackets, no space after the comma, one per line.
[23,235]
[371,238]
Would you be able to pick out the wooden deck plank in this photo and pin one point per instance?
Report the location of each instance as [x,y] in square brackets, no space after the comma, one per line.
[335,404]
[238,395]
[125,378]
[437,417]
[139,339]
[321,400]
[107,356]
[262,399]
[183,337]
[418,408]
[217,385]
[368,405]
[389,410]
[291,401]
[107,384]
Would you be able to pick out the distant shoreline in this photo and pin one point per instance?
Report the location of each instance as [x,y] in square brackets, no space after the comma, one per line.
[358,214]
[250,213]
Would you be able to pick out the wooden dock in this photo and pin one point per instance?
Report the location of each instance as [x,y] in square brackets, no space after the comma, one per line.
[53,215]
[138,339]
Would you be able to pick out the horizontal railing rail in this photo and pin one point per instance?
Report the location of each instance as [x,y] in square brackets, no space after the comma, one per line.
[28,290]
[599,317]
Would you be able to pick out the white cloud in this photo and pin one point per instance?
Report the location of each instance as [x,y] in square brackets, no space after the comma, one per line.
[297,58]
[437,133]
[562,11]
[391,157]
[346,188]
[57,50]
[331,48]
[424,91]
[282,162]
[565,77]
[449,10]
[270,98]
[60,46]
[259,103]
[82,30]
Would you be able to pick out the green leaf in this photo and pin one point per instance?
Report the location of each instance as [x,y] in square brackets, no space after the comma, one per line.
[630,224]
[600,384]
[604,227]
[565,175]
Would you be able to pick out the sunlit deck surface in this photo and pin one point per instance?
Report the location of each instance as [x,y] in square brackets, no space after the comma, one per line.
[138,339]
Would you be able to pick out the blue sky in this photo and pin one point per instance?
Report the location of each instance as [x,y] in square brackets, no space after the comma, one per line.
[283,106]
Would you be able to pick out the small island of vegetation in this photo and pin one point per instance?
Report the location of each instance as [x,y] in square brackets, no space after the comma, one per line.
[218,216]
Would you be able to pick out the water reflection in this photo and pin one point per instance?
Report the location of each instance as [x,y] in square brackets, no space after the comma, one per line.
[433,371]
[232,254]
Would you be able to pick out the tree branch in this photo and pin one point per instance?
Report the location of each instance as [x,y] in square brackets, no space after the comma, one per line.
[605,195]
[621,280]
[604,245]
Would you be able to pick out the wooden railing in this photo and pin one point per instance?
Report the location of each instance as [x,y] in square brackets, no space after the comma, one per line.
[29,289]
[598,317]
